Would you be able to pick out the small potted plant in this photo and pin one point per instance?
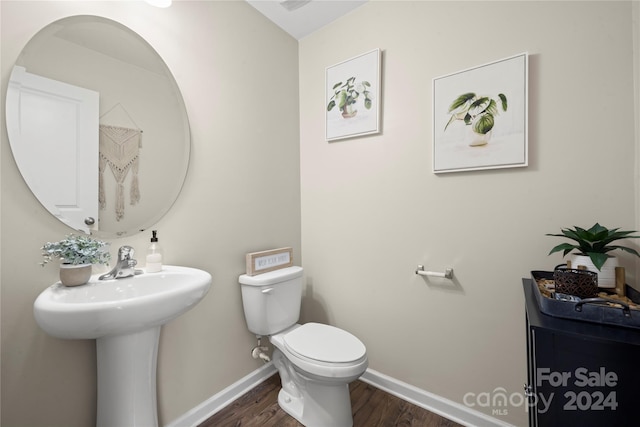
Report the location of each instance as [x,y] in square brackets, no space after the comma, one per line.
[77,253]
[479,113]
[592,249]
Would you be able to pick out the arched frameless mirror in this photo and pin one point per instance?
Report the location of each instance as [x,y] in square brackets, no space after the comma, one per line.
[97,126]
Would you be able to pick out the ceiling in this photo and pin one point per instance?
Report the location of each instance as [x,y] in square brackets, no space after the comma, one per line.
[300,18]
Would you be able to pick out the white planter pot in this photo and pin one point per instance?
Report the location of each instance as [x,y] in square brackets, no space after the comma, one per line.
[75,275]
[475,139]
[606,276]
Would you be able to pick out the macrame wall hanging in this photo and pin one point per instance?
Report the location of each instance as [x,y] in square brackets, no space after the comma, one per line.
[120,149]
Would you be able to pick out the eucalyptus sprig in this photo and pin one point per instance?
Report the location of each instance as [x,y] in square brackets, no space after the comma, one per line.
[594,242]
[76,249]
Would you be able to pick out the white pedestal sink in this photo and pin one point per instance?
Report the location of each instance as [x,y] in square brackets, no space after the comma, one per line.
[124,316]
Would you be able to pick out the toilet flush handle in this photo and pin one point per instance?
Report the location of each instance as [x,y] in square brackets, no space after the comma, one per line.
[267,290]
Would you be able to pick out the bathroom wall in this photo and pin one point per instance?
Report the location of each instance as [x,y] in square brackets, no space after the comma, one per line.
[238,74]
[372,209]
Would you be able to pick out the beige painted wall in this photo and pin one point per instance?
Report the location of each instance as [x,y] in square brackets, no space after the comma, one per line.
[238,74]
[372,209]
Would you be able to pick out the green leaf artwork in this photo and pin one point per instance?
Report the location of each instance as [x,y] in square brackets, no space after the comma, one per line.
[477,111]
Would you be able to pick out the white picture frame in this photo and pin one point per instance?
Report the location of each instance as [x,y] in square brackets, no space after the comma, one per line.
[352,97]
[495,85]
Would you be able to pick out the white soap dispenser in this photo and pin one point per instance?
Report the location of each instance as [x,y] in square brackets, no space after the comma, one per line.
[154,255]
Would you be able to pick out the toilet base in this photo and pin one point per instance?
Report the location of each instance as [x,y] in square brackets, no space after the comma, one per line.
[327,406]
[290,404]
[313,401]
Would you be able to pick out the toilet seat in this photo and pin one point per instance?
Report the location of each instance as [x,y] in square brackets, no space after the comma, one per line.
[305,346]
[324,343]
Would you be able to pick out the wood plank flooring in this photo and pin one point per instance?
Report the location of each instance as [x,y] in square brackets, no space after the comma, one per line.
[371,407]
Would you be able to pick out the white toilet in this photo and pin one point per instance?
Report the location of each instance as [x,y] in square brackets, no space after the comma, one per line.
[316,362]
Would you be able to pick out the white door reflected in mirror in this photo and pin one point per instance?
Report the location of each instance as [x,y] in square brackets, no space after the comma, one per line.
[53,131]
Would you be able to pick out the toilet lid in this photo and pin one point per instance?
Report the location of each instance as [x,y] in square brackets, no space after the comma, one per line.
[324,343]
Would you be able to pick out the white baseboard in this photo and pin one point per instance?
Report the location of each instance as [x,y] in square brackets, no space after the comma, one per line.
[219,400]
[431,402]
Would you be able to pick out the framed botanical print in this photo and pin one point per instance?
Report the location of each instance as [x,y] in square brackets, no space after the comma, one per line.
[480,117]
[353,97]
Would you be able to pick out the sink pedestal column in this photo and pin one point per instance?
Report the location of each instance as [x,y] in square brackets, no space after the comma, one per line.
[127,379]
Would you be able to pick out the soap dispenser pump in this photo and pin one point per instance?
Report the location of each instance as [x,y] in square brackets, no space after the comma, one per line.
[154,254]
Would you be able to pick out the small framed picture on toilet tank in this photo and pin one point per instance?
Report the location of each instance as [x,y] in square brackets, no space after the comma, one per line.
[265,261]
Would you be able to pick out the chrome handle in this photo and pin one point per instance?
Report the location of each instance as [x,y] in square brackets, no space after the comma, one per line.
[267,291]
[89,220]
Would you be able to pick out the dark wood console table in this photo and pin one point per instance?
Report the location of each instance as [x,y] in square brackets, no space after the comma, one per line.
[580,373]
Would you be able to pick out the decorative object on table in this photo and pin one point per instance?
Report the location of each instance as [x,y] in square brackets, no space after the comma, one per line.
[606,307]
[592,249]
[621,282]
[77,253]
[353,97]
[480,117]
[581,283]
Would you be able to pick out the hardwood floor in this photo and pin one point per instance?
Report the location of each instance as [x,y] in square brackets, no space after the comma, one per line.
[371,408]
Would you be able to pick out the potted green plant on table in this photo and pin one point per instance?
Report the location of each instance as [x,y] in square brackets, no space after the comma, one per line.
[77,253]
[479,113]
[592,249]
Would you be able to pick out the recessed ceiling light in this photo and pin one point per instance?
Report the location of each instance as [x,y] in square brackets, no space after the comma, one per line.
[159,3]
[292,5]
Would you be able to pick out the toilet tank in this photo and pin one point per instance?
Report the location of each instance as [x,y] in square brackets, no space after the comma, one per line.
[272,300]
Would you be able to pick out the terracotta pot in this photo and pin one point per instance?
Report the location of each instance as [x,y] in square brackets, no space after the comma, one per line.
[348,111]
[75,275]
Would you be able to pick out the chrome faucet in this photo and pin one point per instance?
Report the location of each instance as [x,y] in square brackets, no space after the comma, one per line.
[125,265]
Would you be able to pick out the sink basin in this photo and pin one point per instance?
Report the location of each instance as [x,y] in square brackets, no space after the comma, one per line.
[119,306]
[124,316]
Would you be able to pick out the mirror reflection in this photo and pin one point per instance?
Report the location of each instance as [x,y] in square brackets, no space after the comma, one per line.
[97,126]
